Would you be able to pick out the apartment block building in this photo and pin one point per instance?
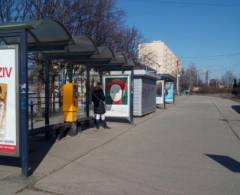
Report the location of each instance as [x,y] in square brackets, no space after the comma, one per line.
[158,56]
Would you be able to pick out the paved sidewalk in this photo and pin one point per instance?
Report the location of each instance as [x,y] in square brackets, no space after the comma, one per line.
[50,157]
[193,147]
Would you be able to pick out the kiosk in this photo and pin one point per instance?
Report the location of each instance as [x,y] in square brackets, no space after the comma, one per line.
[144,91]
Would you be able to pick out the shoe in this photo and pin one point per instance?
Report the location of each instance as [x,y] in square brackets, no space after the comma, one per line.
[105,126]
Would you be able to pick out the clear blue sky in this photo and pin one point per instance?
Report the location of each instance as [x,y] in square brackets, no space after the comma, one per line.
[204,32]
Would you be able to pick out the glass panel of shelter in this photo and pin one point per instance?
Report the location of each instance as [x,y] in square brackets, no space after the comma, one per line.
[94,79]
[80,78]
[36,99]
[58,77]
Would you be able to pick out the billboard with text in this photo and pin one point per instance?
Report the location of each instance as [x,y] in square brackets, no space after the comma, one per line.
[9,140]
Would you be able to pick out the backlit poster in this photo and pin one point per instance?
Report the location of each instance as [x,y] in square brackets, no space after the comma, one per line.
[160,93]
[8,101]
[169,92]
[116,89]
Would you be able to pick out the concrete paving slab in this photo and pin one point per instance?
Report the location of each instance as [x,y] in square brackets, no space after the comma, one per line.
[9,188]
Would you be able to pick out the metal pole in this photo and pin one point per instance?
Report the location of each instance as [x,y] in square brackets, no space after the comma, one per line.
[23,113]
[59,93]
[31,115]
[178,84]
[87,92]
[163,93]
[46,80]
[101,76]
[131,95]
[70,73]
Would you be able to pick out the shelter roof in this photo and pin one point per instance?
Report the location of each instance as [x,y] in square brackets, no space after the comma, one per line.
[80,48]
[167,77]
[122,59]
[145,67]
[42,34]
[52,38]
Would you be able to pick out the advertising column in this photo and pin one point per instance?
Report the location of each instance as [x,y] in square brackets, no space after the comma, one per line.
[8,101]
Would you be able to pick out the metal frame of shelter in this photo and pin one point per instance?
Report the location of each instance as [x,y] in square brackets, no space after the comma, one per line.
[53,40]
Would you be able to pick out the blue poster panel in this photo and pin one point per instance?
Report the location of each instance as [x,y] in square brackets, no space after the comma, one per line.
[169,92]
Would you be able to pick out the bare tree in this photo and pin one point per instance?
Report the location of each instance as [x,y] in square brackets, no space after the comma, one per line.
[128,40]
[13,11]
[99,19]
[190,77]
[227,79]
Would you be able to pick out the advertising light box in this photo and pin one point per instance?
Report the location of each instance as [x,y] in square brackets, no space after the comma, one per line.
[117,94]
[9,140]
[160,92]
[169,92]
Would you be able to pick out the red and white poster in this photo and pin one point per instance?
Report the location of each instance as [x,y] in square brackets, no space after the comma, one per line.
[117,94]
[8,101]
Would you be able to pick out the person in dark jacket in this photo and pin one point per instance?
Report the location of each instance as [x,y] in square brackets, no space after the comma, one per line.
[98,99]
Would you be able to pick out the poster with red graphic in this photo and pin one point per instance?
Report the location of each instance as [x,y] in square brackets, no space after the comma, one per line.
[8,101]
[116,89]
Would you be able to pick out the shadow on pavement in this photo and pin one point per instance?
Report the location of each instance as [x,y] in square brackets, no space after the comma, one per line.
[236,108]
[227,162]
[39,147]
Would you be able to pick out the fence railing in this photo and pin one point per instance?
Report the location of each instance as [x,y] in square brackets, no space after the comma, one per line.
[55,110]
[34,111]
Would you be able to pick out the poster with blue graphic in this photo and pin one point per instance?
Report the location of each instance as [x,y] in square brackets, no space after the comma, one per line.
[169,92]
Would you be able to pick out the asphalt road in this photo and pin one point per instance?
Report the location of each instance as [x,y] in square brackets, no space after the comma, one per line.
[192,148]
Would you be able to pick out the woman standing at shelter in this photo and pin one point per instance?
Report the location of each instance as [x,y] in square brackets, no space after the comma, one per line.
[98,99]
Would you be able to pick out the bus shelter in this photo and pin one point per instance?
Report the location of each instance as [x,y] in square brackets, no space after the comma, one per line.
[73,56]
[98,60]
[54,42]
[17,41]
[101,65]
